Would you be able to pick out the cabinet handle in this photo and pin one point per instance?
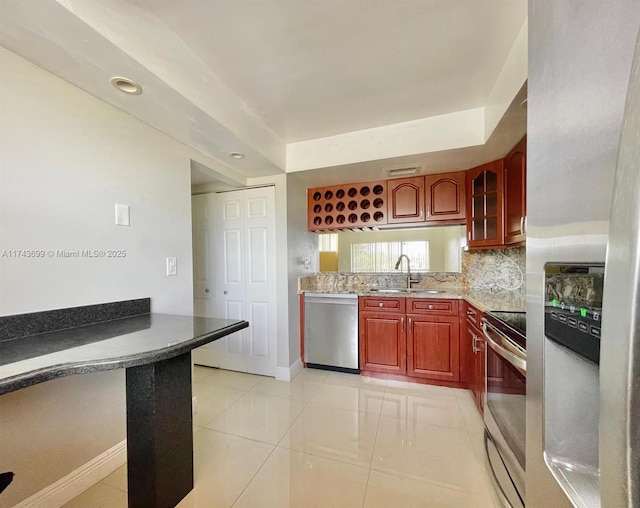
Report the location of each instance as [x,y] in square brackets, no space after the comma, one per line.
[475,348]
[381,305]
[430,307]
[469,236]
[429,211]
[402,322]
[470,312]
[522,224]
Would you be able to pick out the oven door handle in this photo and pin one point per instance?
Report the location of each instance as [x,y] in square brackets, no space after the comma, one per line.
[505,348]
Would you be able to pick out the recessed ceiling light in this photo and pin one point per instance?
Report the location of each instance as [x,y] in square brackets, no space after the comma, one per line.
[126,85]
[236,155]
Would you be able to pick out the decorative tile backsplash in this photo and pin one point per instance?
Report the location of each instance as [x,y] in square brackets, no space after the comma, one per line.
[494,269]
[482,269]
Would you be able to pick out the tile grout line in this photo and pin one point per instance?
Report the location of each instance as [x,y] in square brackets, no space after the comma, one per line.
[275,447]
[373,450]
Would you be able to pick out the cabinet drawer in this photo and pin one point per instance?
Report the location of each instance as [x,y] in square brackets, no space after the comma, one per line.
[383,304]
[473,316]
[432,306]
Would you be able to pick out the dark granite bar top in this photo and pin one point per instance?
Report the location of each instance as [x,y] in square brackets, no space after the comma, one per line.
[115,344]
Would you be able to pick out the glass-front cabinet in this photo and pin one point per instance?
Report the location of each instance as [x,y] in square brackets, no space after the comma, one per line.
[485,205]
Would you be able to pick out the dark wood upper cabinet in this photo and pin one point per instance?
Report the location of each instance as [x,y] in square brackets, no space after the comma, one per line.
[406,200]
[354,205]
[445,196]
[515,194]
[485,207]
[417,201]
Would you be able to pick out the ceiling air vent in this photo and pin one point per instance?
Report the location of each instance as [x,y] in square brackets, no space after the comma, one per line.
[403,171]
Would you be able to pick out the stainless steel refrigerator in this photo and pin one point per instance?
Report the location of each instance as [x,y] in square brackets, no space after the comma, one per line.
[583,409]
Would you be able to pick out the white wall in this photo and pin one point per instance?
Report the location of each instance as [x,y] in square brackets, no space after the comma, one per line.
[65,159]
[300,245]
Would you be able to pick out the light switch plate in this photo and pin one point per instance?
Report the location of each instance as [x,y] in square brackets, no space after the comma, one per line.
[122,215]
[172,266]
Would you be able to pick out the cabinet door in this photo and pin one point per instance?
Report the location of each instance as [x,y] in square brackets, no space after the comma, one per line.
[433,347]
[515,194]
[406,200]
[383,346]
[445,195]
[485,205]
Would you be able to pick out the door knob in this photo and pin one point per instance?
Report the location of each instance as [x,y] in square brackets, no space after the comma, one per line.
[226,292]
[206,290]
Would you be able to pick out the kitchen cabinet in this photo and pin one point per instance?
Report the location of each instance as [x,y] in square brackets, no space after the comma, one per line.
[406,200]
[355,205]
[433,347]
[515,194]
[401,202]
[416,337]
[476,345]
[496,201]
[382,335]
[485,205]
[445,197]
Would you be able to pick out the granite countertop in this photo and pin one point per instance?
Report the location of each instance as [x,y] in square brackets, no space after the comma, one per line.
[484,299]
[115,344]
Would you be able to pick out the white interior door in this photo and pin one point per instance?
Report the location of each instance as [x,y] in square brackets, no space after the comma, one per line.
[230,267]
[260,287]
[202,209]
[245,230]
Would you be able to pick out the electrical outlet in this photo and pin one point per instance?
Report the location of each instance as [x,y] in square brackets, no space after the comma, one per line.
[172,266]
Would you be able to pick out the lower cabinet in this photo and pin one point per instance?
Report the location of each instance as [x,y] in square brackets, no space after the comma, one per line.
[476,344]
[382,343]
[433,347]
[423,343]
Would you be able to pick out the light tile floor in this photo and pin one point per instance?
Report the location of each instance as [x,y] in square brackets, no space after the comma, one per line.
[326,440]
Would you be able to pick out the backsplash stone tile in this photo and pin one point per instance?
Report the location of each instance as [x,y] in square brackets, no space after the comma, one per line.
[494,269]
[482,269]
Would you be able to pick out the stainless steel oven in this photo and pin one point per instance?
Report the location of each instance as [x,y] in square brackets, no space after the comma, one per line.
[505,403]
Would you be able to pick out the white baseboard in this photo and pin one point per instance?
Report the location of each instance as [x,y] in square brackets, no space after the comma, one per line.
[76,482]
[288,373]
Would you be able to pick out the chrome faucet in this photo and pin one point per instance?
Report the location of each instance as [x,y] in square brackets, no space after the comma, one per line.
[410,278]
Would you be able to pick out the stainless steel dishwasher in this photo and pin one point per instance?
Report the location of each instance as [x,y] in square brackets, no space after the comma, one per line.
[331,331]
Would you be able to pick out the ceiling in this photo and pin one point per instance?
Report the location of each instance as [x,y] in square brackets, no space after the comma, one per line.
[291,83]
